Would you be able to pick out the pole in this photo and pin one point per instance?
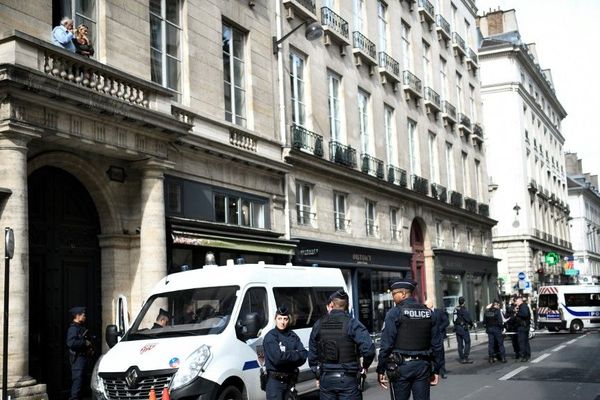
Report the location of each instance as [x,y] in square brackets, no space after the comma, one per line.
[9,247]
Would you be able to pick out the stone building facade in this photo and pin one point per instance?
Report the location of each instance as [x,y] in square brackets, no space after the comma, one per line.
[528,182]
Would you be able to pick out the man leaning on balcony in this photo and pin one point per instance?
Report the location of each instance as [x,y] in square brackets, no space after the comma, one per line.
[62,35]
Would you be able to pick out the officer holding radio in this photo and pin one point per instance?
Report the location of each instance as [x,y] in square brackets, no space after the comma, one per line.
[284,353]
[408,346]
[337,342]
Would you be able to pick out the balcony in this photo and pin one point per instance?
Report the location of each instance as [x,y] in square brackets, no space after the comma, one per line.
[443,29]
[335,29]
[342,224]
[412,86]
[471,205]
[372,166]
[389,69]
[459,46]
[439,192]
[427,13]
[464,124]
[532,186]
[371,229]
[448,113]
[420,185]
[342,154]
[304,9]
[477,134]
[304,215]
[397,176]
[456,199]
[305,140]
[433,103]
[364,51]
[472,60]
[484,210]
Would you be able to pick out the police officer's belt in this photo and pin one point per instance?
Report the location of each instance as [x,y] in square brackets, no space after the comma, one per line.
[282,376]
[413,358]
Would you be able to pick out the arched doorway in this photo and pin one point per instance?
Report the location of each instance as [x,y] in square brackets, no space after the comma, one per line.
[64,270]
[417,243]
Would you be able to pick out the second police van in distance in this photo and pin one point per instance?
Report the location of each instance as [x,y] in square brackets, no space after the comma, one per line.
[210,347]
[572,307]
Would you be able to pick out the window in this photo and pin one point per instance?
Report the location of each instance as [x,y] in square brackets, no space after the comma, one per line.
[359,15]
[339,212]
[297,89]
[478,183]
[304,212]
[472,105]
[234,210]
[469,34]
[455,238]
[165,37]
[306,305]
[390,136]
[382,20]
[370,218]
[454,21]
[406,49]
[450,166]
[174,196]
[234,75]
[445,92]
[255,301]
[466,177]
[427,68]
[439,233]
[394,224]
[469,239]
[459,94]
[363,122]
[413,148]
[335,118]
[81,12]
[433,158]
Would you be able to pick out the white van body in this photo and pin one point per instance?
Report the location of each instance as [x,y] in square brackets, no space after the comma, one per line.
[570,307]
[210,358]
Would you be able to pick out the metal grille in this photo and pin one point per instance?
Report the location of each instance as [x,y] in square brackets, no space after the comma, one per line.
[116,387]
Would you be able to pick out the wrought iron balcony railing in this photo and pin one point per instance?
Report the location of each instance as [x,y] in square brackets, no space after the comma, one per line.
[471,205]
[420,185]
[303,139]
[439,192]
[478,130]
[364,45]
[372,229]
[426,11]
[464,122]
[473,60]
[443,28]
[397,176]
[341,222]
[484,210]
[459,45]
[389,65]
[412,83]
[448,111]
[432,99]
[456,199]
[304,215]
[300,7]
[342,154]
[334,23]
[372,166]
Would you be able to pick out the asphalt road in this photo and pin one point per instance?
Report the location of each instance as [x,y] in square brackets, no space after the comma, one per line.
[563,366]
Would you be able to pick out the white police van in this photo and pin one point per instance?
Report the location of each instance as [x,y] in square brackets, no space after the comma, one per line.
[217,318]
[572,307]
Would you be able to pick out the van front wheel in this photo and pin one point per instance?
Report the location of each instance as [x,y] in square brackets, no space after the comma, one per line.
[576,326]
[230,393]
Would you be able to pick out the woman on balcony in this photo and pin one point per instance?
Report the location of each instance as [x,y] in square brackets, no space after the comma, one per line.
[83,45]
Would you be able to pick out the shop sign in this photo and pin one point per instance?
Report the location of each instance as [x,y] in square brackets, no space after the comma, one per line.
[572,272]
[361,258]
[308,252]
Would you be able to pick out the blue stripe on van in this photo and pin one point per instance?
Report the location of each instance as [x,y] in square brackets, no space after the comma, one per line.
[250,365]
[578,313]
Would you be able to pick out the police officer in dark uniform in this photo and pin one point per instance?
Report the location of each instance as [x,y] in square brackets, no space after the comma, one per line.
[284,353]
[523,318]
[462,322]
[80,350]
[440,319]
[511,327]
[493,322]
[337,341]
[408,345]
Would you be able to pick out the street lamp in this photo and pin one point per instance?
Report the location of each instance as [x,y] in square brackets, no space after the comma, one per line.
[516,209]
[313,31]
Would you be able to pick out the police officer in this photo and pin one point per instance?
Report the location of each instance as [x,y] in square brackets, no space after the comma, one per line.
[523,318]
[80,350]
[284,353]
[337,341]
[408,346]
[440,319]
[462,322]
[493,322]
[511,327]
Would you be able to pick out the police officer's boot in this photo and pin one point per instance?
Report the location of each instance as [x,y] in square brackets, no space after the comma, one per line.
[492,360]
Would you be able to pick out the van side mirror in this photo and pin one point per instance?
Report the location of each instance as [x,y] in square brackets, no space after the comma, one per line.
[111,335]
[248,326]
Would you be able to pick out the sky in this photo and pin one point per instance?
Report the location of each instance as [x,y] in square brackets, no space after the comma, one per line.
[567,38]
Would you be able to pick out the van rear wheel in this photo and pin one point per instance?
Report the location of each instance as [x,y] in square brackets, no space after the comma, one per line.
[230,393]
[576,326]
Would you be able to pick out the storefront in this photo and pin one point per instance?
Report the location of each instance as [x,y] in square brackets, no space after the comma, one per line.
[473,277]
[367,271]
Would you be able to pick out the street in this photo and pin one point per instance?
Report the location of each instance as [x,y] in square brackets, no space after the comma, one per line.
[563,366]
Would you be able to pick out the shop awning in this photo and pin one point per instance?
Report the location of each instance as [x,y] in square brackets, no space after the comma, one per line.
[223,242]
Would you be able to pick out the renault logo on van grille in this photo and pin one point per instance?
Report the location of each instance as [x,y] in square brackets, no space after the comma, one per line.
[132,378]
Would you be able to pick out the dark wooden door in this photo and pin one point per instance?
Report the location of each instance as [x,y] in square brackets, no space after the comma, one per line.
[418,259]
[64,271]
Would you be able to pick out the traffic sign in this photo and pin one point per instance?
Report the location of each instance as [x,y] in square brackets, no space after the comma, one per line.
[521,276]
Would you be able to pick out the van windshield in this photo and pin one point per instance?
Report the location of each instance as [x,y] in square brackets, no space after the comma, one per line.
[201,311]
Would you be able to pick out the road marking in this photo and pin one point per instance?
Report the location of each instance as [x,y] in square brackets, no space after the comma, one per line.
[512,373]
[572,341]
[540,358]
[559,348]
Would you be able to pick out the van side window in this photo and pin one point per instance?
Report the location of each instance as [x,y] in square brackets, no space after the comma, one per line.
[306,305]
[255,301]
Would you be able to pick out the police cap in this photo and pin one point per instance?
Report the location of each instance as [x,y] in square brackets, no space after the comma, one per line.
[77,310]
[404,284]
[282,310]
[338,294]
[164,313]
[461,300]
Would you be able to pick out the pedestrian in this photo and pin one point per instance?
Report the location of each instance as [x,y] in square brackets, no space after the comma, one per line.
[493,322]
[337,343]
[284,353]
[462,323]
[80,350]
[408,346]
[62,35]
[511,327]
[523,318]
[440,318]
[83,44]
